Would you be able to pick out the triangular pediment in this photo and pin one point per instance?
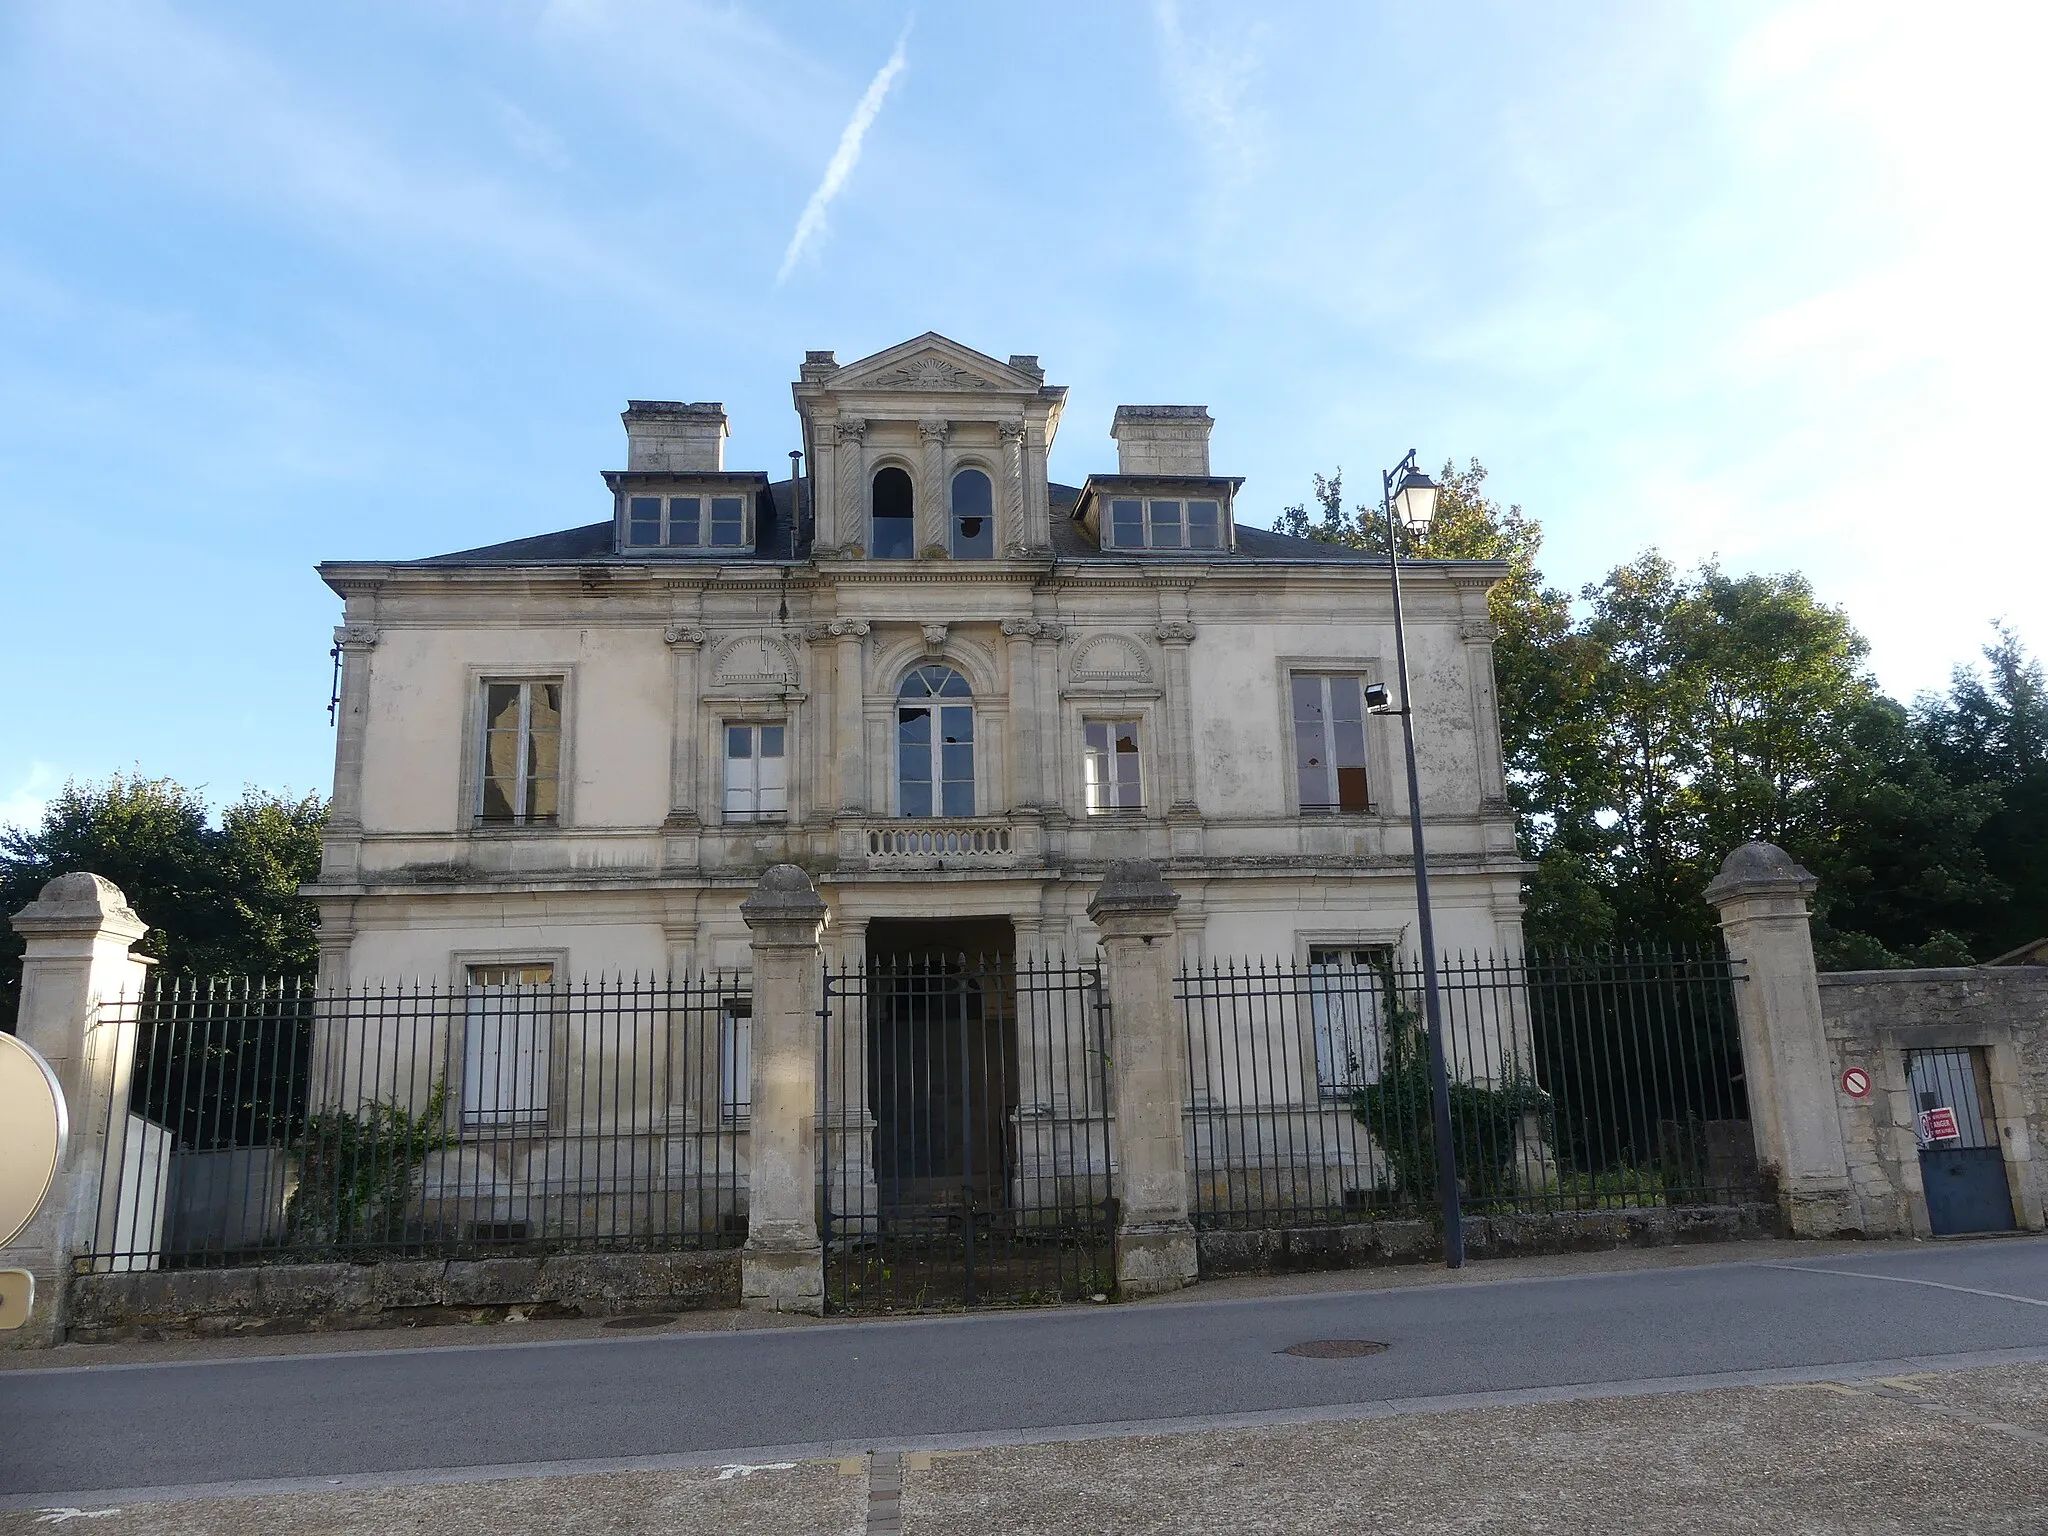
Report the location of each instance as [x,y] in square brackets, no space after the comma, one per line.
[929,363]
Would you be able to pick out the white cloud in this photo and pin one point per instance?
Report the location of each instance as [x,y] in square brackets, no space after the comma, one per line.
[23,805]
[198,106]
[845,157]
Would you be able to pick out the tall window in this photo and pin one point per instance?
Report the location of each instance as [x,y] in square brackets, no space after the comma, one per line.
[508,1011]
[935,744]
[974,519]
[736,1059]
[686,522]
[1164,524]
[520,782]
[1110,767]
[1347,1000]
[756,773]
[895,516]
[1329,744]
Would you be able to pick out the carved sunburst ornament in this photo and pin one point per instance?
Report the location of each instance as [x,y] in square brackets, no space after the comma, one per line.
[935,373]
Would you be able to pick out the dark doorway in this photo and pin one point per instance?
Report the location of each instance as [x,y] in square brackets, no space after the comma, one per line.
[1962,1165]
[964,1152]
[942,1067]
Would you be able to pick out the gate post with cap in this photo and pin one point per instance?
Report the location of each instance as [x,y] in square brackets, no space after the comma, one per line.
[1155,1242]
[79,987]
[1761,896]
[782,1266]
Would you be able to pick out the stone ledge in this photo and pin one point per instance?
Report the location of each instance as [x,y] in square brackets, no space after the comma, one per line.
[398,1293]
[1369,1244]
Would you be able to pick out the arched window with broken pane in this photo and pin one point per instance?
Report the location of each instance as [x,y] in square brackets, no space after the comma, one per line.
[934,744]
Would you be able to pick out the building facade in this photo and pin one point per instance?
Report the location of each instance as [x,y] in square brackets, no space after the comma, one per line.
[950,688]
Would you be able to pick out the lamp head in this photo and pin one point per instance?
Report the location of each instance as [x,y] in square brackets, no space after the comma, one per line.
[1415,501]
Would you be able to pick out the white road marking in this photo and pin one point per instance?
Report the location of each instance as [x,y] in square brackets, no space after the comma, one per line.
[1937,1285]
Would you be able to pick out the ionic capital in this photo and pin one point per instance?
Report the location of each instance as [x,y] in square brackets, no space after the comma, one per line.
[356,637]
[1175,632]
[683,634]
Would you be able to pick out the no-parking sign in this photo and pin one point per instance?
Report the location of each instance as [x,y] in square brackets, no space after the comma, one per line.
[1856,1082]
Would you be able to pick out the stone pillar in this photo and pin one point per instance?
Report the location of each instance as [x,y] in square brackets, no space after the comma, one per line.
[1155,1242]
[1761,896]
[933,505]
[782,1266]
[79,984]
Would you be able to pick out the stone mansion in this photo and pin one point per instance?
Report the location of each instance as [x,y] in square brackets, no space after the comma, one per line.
[949,688]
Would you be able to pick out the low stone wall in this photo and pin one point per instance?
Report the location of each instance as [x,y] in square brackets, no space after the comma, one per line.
[1369,1243]
[398,1293]
[1872,1018]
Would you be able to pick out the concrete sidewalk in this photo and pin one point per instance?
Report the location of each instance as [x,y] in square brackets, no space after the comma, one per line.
[1962,1451]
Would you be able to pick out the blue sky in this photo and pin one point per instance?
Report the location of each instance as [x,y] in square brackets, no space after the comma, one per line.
[284,283]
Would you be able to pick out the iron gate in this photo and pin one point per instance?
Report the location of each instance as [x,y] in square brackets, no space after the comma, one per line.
[964,1133]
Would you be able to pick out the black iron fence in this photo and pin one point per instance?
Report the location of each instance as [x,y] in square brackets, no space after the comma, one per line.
[965,1139]
[267,1120]
[1578,1082]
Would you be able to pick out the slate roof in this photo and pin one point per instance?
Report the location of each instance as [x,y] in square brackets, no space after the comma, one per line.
[592,543]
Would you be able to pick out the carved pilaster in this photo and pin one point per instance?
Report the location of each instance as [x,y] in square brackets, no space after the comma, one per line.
[685,643]
[1176,635]
[1012,533]
[1479,634]
[932,504]
[850,479]
[1026,788]
[351,724]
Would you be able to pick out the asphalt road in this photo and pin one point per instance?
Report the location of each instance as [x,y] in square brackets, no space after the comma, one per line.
[1001,1376]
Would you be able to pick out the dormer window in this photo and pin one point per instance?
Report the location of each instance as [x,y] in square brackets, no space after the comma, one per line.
[686,522]
[1164,523]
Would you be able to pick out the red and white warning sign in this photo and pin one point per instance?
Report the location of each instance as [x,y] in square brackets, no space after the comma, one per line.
[1856,1082]
[1939,1125]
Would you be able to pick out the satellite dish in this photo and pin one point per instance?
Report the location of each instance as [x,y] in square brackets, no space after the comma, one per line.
[33,1129]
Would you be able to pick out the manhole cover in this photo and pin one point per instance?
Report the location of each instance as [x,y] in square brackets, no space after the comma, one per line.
[1336,1349]
[640,1320]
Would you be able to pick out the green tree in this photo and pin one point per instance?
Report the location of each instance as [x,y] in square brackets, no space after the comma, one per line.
[1990,734]
[220,900]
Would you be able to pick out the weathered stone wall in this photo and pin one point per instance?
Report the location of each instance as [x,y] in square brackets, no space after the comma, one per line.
[1872,1018]
[398,1293]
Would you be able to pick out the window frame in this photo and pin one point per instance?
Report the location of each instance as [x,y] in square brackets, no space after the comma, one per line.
[463,964]
[1097,719]
[1325,673]
[874,472]
[754,727]
[735,1060]
[934,704]
[706,498]
[1335,1082]
[953,517]
[476,767]
[1148,523]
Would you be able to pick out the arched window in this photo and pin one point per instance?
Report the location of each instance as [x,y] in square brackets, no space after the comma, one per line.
[895,533]
[974,521]
[935,744]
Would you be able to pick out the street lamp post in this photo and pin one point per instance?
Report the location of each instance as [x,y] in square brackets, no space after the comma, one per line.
[1407,491]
